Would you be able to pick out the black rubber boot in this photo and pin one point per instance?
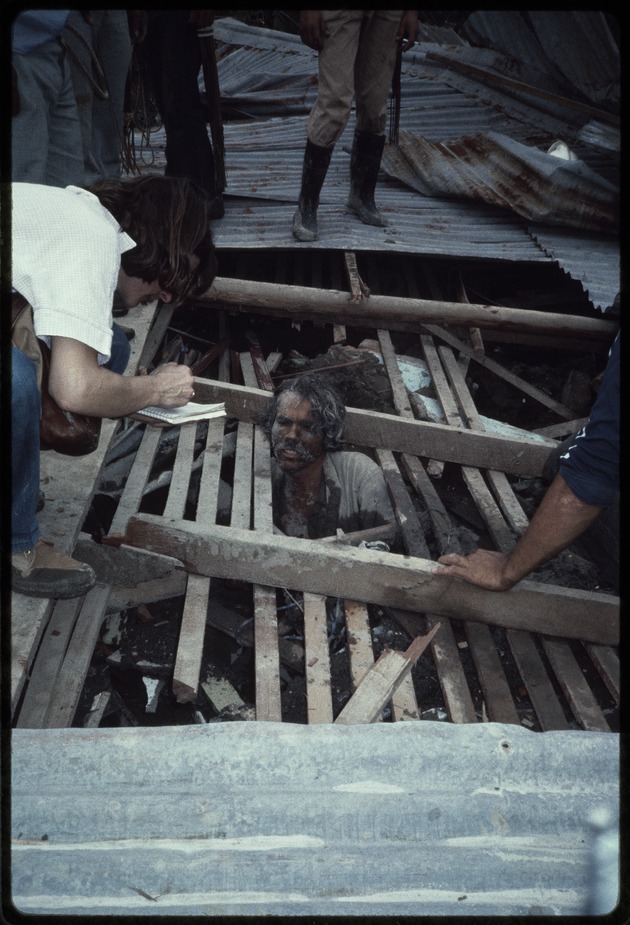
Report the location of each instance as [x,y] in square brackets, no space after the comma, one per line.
[316,161]
[365,162]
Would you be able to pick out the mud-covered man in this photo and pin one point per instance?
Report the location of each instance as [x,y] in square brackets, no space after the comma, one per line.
[319,488]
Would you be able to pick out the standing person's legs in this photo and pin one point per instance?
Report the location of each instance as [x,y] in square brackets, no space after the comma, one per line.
[77,37]
[329,115]
[374,70]
[113,47]
[45,134]
[25,414]
[37,568]
[335,90]
[174,54]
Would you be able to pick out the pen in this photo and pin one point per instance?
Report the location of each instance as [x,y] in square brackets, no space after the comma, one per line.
[182,355]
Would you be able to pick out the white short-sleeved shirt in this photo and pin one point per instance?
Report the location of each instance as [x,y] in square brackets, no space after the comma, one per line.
[66,250]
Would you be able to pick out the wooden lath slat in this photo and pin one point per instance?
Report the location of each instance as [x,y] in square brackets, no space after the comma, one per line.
[319,704]
[459,408]
[266,647]
[572,683]
[455,692]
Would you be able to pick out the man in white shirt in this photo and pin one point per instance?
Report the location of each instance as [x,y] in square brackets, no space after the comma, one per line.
[72,249]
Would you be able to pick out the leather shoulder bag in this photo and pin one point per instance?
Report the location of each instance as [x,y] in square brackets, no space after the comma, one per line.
[63,431]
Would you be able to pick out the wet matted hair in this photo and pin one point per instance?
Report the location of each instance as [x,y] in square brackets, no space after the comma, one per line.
[167,217]
[328,409]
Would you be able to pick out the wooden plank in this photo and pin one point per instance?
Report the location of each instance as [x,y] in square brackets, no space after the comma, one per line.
[420,438]
[406,514]
[263,376]
[505,374]
[606,660]
[374,577]
[444,652]
[537,681]
[487,507]
[359,639]
[509,504]
[574,686]
[242,482]
[391,312]
[137,479]
[503,539]
[319,705]
[561,430]
[358,289]
[453,683]
[185,684]
[161,321]
[182,469]
[399,390]
[499,702]
[263,509]
[404,702]
[47,665]
[439,380]
[219,691]
[443,530]
[147,592]
[496,691]
[382,680]
[267,658]
[187,670]
[266,647]
[266,653]
[450,672]
[210,473]
[455,416]
[66,692]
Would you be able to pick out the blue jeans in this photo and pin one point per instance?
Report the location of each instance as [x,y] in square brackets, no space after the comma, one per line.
[46,134]
[25,415]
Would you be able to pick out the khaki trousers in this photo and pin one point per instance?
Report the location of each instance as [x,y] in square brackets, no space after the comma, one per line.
[357,62]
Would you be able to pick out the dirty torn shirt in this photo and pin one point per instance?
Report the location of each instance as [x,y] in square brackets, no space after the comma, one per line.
[352,496]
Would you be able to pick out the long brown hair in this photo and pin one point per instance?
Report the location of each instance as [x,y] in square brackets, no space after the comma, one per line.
[167,217]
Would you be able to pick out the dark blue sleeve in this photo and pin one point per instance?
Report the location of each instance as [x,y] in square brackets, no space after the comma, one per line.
[590,467]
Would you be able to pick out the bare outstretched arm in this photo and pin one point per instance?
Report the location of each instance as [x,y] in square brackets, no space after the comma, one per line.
[559,520]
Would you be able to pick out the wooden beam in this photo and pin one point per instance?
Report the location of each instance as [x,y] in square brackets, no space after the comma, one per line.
[301,303]
[381,682]
[374,577]
[185,684]
[503,373]
[420,438]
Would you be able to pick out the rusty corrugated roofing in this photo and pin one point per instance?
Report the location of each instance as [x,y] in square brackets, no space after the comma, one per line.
[449,93]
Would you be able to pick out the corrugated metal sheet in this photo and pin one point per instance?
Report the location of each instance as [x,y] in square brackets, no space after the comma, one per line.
[270,78]
[398,819]
[575,46]
[496,169]
[594,262]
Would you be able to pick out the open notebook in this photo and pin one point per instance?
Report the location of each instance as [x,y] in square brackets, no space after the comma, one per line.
[193,411]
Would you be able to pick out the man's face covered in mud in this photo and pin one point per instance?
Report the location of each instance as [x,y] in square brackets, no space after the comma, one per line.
[296,434]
